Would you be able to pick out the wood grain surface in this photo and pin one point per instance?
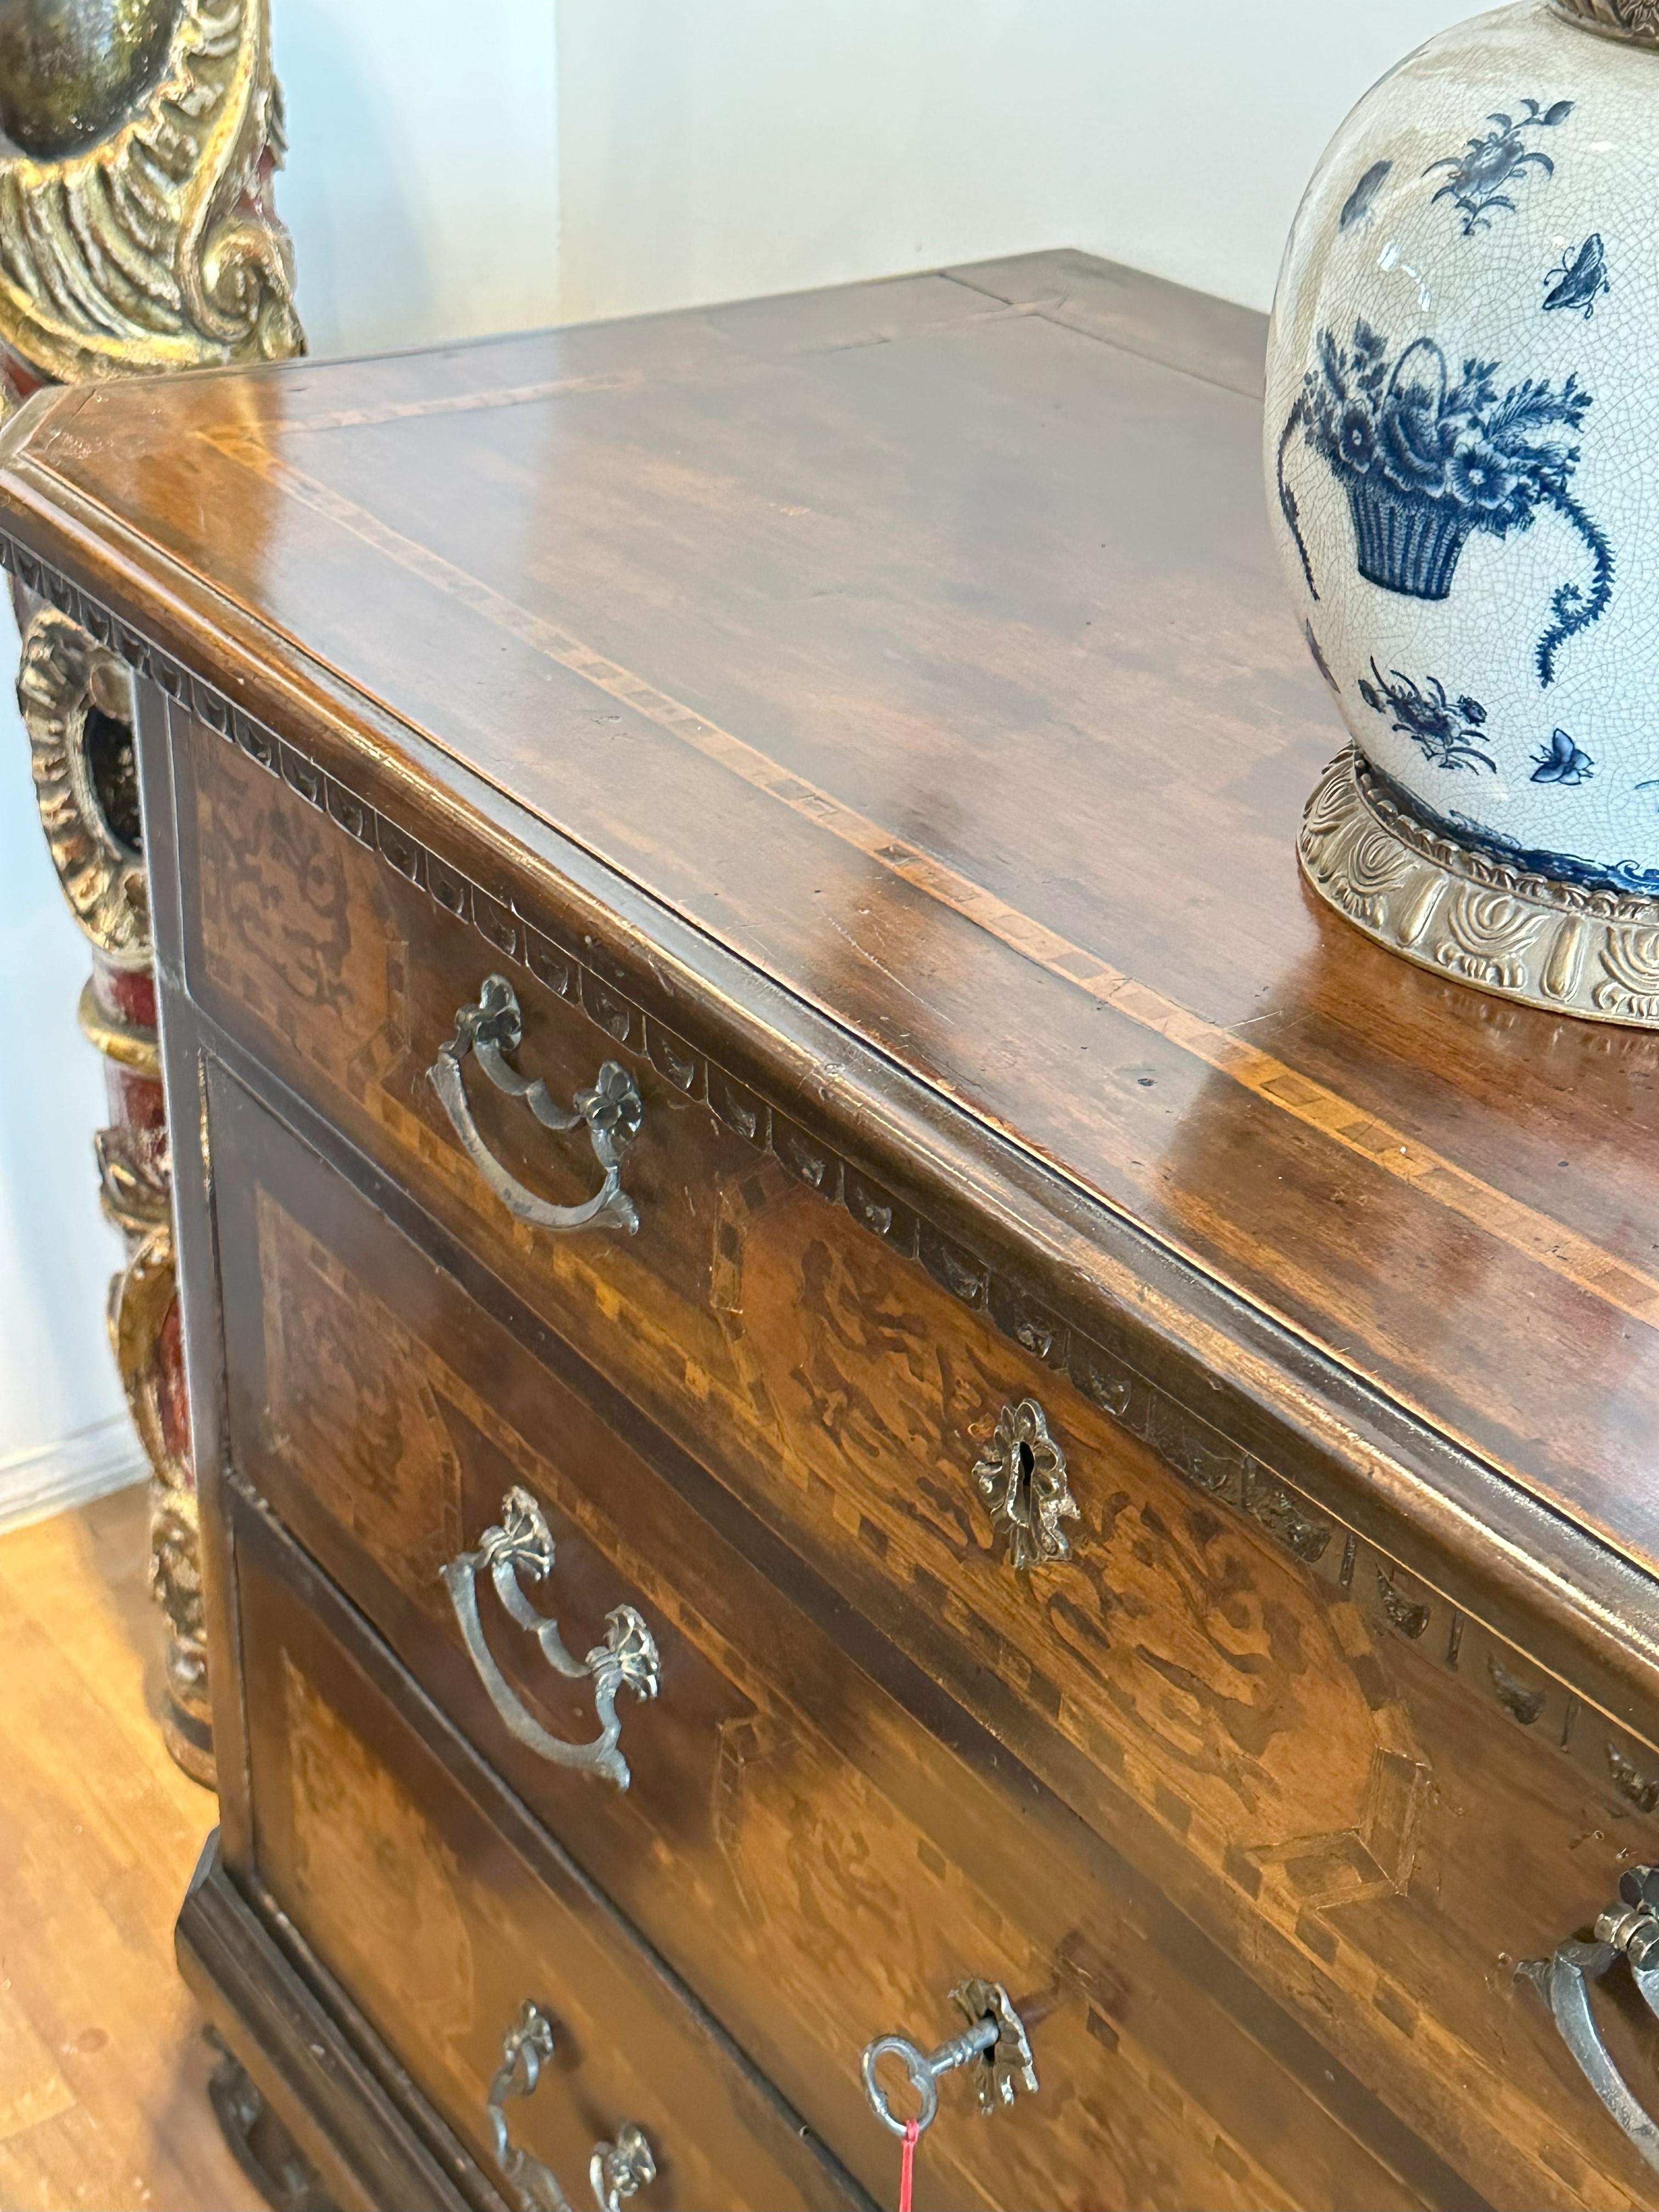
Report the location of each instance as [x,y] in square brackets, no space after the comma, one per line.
[340,966]
[103,2070]
[921,643]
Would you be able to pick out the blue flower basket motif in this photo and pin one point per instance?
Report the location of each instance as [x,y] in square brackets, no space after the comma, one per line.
[1426,459]
[1404,543]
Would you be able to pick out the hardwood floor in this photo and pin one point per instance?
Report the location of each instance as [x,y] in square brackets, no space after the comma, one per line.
[103,2071]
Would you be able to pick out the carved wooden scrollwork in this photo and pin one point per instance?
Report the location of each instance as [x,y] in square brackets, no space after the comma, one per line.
[143,1327]
[76,701]
[137,235]
[75,698]
[154,246]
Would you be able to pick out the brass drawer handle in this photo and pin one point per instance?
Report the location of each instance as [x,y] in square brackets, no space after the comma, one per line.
[615,2170]
[611,1111]
[993,2044]
[627,1660]
[1628,1931]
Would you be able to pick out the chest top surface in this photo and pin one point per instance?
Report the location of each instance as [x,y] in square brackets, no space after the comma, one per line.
[921,643]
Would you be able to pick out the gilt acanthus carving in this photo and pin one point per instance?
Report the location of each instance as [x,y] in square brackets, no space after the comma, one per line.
[155,247]
[136,236]
[68,689]
[143,1324]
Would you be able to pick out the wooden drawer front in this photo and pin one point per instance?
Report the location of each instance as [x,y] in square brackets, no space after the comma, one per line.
[440,1924]
[1376,1836]
[1341,1759]
[319,953]
[822,1864]
[1373,1801]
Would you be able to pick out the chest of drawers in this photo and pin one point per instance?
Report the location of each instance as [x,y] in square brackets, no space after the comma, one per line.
[750,1074]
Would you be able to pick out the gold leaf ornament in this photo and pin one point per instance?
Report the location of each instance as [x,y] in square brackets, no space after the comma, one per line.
[155,246]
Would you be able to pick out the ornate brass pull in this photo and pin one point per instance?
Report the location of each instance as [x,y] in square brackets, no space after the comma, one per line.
[1628,1931]
[616,2170]
[993,2044]
[611,1110]
[626,1660]
[1021,1475]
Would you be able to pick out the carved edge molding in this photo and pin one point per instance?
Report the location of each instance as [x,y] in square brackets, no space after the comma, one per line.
[1394,1601]
[1591,954]
[1636,20]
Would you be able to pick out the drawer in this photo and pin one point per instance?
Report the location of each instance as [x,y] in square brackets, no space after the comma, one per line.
[343,975]
[442,1923]
[812,1836]
[1376,1805]
[1320,1762]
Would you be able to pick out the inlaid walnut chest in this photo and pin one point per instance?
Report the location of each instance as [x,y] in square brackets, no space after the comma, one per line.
[751,1075]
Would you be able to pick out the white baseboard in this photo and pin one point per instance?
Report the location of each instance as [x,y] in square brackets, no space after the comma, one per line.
[78,1467]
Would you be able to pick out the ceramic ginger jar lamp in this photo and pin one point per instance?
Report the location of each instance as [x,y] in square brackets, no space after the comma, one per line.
[1462,444]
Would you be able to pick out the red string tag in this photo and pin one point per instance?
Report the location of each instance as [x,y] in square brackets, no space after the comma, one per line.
[908,2165]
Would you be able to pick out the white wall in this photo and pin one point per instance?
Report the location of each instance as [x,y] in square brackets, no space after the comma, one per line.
[61,1408]
[454,171]
[422,178]
[718,147]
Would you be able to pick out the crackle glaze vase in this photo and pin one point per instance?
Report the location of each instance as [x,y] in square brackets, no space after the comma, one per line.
[1463,444]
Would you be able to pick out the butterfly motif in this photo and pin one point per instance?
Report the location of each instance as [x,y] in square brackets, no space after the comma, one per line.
[1358,203]
[1581,282]
[1562,762]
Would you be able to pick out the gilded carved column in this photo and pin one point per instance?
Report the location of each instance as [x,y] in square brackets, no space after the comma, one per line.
[137,235]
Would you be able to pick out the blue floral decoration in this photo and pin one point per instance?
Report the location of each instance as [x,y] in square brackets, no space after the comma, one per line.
[1443,729]
[1427,458]
[1624,876]
[1562,762]
[1580,281]
[1500,157]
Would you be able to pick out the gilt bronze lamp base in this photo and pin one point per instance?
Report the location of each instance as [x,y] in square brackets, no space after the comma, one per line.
[1472,911]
